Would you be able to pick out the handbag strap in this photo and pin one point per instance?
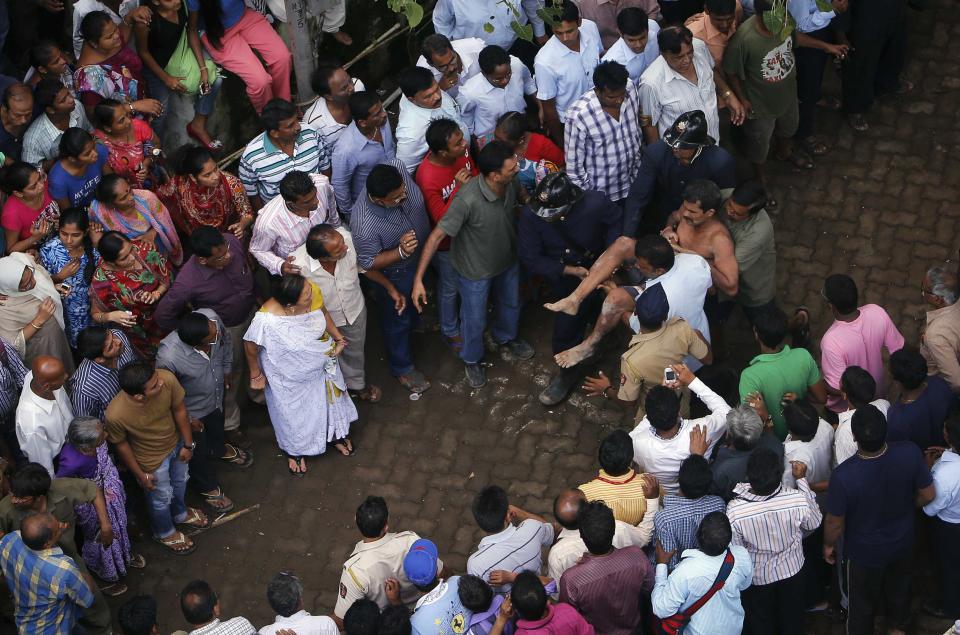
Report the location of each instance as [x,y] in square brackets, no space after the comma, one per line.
[718,583]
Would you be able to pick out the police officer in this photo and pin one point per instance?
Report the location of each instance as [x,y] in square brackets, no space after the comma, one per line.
[560,234]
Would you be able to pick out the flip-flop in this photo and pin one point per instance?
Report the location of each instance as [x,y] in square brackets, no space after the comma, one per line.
[179,538]
[195,519]
[114,589]
[218,502]
[295,472]
[370,394]
[137,561]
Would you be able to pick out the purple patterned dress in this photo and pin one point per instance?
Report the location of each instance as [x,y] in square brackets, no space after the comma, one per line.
[108,563]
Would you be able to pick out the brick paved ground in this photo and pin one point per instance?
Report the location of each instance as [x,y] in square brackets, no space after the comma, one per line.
[883,207]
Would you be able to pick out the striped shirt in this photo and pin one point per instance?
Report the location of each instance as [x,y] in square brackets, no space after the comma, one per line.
[376,228]
[603,153]
[42,139]
[609,590]
[318,118]
[12,372]
[278,232]
[666,94]
[516,548]
[93,386]
[771,528]
[623,494]
[675,525]
[47,587]
[263,165]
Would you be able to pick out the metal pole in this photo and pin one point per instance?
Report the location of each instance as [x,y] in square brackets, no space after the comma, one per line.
[301,46]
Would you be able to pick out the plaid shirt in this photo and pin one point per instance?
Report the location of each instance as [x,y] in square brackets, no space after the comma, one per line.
[47,586]
[603,153]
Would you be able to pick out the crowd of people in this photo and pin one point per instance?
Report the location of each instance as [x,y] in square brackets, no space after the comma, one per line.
[147,297]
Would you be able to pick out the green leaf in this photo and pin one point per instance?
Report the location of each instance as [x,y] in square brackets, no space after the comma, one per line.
[414,13]
[523,31]
[487,27]
[548,16]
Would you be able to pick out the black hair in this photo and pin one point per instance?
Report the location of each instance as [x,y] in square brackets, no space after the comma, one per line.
[909,368]
[762,6]
[952,427]
[138,615]
[189,161]
[361,618]
[90,341]
[841,291]
[695,477]
[78,216]
[513,125]
[490,507]
[752,195]
[616,453]
[285,593]
[104,112]
[439,132]
[30,480]
[610,76]
[394,620]
[492,157]
[383,179]
[276,112]
[287,289]
[93,24]
[436,43]
[714,533]
[491,57]
[320,78]
[703,192]
[663,408]
[295,184]
[528,596]
[194,327]
[569,12]
[72,142]
[46,92]
[361,102]
[135,376]
[632,21]
[317,238]
[42,53]
[204,238]
[16,176]
[721,7]
[859,386]
[110,245]
[597,526]
[869,428]
[197,601]
[372,516]
[771,326]
[802,419]
[656,250]
[474,593]
[106,191]
[415,79]
[764,471]
[212,21]
[671,39]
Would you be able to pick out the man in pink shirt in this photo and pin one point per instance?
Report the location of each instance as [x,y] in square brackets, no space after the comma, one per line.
[857,337]
[528,603]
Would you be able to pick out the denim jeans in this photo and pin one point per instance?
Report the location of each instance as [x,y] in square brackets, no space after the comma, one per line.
[447,294]
[167,499]
[473,311]
[203,104]
[397,328]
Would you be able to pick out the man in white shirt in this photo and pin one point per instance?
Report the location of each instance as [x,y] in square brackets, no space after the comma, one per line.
[452,63]
[285,595]
[570,546]
[662,440]
[637,47]
[422,102]
[809,441]
[201,608]
[945,510]
[468,19]
[857,388]
[503,85]
[564,67]
[330,114]
[329,260]
[44,412]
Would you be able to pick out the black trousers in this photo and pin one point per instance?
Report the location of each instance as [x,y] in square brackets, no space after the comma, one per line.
[774,608]
[816,571]
[873,67]
[203,465]
[811,63]
[948,555]
[868,588]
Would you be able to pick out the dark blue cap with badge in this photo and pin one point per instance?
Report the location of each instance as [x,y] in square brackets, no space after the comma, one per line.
[651,306]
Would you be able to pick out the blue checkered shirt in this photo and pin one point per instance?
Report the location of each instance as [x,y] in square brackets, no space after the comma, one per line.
[675,525]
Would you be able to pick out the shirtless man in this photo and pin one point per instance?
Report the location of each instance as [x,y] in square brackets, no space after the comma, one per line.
[695,229]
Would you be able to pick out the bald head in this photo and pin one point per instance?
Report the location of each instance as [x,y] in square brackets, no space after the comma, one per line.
[39,530]
[16,109]
[49,373]
[566,507]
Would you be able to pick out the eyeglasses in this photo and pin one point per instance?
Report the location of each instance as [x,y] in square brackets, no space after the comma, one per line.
[449,66]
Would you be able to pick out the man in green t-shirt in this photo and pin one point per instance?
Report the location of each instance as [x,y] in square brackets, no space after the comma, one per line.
[779,370]
[482,219]
[761,71]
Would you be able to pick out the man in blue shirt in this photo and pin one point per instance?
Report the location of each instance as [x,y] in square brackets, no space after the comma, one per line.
[945,509]
[440,610]
[366,142]
[48,588]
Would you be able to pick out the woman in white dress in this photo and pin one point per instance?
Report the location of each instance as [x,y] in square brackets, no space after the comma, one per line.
[291,347]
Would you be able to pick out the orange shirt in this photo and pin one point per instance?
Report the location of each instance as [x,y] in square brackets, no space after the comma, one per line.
[715,40]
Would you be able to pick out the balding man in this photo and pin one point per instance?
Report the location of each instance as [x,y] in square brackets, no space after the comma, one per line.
[44,412]
[16,113]
[570,546]
[46,584]
[941,338]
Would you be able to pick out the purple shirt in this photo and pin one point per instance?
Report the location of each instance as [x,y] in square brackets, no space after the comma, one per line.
[561,619]
[228,291]
[75,464]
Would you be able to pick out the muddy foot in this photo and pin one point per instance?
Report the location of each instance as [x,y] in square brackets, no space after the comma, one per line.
[569,305]
[573,356]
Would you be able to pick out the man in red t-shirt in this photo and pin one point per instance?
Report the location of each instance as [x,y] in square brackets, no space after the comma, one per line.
[446,167]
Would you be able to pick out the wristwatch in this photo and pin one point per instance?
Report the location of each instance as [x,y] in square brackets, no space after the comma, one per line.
[192,446]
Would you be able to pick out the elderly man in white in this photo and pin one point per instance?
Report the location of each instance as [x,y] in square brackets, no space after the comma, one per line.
[422,102]
[328,260]
[452,63]
[44,412]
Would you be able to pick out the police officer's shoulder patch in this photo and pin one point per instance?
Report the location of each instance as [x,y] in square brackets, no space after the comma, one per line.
[343,590]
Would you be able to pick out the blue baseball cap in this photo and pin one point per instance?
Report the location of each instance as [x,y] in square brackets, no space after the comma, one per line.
[420,563]
[651,306]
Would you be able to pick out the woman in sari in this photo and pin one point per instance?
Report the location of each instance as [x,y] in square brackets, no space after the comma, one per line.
[291,348]
[137,214]
[30,213]
[108,68]
[85,455]
[126,139]
[131,277]
[31,313]
[202,194]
